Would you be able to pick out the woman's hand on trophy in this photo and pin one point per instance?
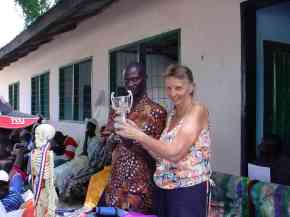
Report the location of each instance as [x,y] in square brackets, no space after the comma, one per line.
[127,129]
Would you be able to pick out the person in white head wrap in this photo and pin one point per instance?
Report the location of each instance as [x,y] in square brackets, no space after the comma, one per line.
[45,197]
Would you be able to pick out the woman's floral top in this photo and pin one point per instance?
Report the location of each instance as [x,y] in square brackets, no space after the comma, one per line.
[193,169]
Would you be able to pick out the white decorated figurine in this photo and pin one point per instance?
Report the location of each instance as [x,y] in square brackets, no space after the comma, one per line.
[42,165]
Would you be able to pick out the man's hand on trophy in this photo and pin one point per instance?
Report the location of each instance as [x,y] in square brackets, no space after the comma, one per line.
[114,139]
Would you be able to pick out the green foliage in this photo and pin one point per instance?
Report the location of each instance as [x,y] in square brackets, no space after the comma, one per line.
[34,8]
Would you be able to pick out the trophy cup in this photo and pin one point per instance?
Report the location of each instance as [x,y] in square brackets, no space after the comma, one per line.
[122,103]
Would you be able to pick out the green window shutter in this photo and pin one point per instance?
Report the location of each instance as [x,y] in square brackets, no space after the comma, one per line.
[82,90]
[60,94]
[113,71]
[44,95]
[34,95]
[65,93]
[16,97]
[13,90]
[75,91]
[40,95]
[10,94]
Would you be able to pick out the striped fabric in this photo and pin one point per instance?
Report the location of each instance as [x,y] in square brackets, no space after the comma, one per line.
[12,201]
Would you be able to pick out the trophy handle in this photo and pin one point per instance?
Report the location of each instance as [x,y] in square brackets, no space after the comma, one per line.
[112,100]
[131,101]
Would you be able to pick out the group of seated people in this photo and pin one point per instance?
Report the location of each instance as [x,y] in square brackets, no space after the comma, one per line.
[14,167]
[74,163]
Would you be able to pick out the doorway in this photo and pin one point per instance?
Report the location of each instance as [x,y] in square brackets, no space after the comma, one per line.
[261,105]
[277,91]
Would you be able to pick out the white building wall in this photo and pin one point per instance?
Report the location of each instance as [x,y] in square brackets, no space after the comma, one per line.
[210,46]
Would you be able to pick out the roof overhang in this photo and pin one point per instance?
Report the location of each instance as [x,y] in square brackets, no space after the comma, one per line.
[63,17]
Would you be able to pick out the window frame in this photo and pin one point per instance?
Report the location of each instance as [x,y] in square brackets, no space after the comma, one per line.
[18,95]
[73,63]
[39,95]
[112,64]
[140,51]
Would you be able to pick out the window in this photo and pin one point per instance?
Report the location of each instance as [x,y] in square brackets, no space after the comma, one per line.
[40,95]
[14,95]
[75,91]
[156,53]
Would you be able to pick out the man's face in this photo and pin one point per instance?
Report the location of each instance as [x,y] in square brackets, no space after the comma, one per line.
[134,81]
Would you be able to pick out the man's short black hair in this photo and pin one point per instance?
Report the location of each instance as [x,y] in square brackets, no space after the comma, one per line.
[138,66]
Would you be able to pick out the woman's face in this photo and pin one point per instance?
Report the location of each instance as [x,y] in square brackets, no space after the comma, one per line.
[178,90]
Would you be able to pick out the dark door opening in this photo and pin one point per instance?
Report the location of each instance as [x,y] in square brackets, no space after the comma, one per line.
[277,91]
[250,106]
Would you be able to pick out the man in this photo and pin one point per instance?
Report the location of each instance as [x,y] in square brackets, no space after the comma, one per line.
[130,185]
[10,199]
[64,148]
[18,173]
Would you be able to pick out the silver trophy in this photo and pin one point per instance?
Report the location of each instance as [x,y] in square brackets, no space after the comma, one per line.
[122,104]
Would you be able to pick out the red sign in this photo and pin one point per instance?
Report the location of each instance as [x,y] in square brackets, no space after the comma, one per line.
[10,122]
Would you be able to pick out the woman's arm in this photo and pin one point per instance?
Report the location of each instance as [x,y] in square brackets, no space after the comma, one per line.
[187,135]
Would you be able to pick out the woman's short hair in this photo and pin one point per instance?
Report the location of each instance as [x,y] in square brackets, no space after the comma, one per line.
[179,71]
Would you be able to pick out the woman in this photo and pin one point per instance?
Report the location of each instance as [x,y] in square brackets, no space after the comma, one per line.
[183,170]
